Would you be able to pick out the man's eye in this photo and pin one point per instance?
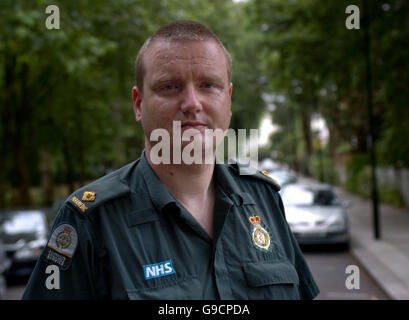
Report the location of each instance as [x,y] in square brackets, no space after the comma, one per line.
[168,87]
[207,85]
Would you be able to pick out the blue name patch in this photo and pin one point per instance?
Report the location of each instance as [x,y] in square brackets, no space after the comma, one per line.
[156,270]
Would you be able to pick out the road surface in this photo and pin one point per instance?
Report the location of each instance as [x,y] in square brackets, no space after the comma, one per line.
[329,265]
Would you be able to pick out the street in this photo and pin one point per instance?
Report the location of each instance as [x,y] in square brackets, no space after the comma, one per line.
[15,288]
[328,266]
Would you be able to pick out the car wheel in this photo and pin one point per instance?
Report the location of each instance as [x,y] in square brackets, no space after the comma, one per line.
[344,246]
[3,286]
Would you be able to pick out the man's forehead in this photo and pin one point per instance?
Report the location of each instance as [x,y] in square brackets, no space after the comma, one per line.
[207,51]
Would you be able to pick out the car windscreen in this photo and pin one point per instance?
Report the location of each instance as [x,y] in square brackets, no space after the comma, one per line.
[304,196]
[22,222]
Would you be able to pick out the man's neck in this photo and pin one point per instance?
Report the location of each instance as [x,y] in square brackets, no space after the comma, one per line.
[185,180]
[192,185]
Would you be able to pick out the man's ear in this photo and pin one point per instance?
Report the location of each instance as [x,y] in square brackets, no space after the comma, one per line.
[137,101]
[230,93]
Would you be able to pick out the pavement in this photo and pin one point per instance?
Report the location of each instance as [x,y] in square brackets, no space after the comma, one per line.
[387,259]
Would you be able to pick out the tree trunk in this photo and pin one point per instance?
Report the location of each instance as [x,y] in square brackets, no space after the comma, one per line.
[68,166]
[306,126]
[332,140]
[20,142]
[47,179]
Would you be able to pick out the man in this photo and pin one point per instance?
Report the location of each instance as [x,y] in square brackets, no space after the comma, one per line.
[160,230]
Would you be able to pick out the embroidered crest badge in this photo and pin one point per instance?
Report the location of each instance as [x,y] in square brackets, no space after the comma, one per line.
[64,239]
[261,237]
[61,246]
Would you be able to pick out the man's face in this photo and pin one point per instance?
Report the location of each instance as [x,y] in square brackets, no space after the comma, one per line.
[186,82]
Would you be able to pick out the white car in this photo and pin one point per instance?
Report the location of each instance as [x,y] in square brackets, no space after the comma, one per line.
[4,266]
[24,234]
[315,214]
[283,177]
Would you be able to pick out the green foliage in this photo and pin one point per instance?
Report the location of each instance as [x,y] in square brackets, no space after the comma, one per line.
[319,65]
[358,178]
[393,147]
[391,195]
[323,169]
[359,181]
[343,148]
[66,93]
[264,153]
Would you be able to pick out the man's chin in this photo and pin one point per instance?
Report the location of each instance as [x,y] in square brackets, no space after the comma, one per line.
[193,152]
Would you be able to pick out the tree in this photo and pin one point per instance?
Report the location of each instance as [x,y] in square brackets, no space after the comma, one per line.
[318,64]
[66,110]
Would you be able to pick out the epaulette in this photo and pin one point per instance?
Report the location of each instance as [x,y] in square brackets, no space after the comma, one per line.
[264,175]
[98,192]
[255,174]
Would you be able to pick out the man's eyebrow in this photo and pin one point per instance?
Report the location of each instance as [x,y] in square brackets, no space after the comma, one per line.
[164,78]
[212,78]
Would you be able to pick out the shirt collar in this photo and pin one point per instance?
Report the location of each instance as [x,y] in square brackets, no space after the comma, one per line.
[158,193]
[225,178]
[161,196]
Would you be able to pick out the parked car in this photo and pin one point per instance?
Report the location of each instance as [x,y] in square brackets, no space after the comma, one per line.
[315,214]
[4,266]
[24,234]
[269,165]
[284,177]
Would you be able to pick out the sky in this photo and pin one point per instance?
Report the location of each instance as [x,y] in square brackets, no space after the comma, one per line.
[266,128]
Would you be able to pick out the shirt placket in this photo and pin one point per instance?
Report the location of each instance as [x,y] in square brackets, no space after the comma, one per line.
[222,275]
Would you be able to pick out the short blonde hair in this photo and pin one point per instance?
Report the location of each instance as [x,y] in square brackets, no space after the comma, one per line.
[178,31]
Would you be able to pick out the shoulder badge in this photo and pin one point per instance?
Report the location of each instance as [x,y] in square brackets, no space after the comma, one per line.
[261,237]
[98,192]
[88,196]
[273,181]
[79,204]
[61,246]
[257,174]
[266,174]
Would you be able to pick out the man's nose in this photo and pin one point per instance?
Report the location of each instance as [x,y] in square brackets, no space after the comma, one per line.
[191,102]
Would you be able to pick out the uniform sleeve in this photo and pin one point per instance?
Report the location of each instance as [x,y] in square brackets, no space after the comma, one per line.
[307,287]
[65,268]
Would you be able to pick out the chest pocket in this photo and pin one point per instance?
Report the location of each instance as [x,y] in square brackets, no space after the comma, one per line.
[182,285]
[271,280]
[141,217]
[186,289]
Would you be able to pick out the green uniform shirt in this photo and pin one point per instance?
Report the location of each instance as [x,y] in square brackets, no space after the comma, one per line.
[125,236]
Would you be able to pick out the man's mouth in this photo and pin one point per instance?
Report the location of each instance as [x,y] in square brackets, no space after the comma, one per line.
[193,125]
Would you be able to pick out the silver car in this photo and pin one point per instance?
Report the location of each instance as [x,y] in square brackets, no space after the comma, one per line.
[24,234]
[283,177]
[315,214]
[4,266]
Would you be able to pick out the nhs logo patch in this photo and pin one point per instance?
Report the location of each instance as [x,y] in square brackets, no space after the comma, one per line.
[157,270]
